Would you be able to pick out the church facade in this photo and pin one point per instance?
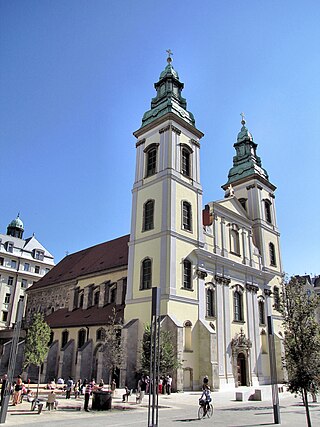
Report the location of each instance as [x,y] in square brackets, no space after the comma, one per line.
[219,269]
[217,264]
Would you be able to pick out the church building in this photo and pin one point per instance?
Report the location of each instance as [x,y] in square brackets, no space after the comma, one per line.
[217,264]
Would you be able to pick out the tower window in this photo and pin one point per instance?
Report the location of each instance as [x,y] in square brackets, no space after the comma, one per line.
[96,298]
[267,210]
[238,306]
[186,216]
[148,215]
[37,254]
[81,300]
[272,254]
[234,241]
[10,247]
[210,302]
[146,274]
[276,298]
[261,313]
[243,203]
[187,277]
[186,162]
[151,161]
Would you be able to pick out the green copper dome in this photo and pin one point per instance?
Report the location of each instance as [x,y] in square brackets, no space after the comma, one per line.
[246,162]
[16,223]
[168,98]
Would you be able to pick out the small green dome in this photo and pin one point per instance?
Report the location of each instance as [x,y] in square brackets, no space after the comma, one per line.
[167,71]
[16,223]
[244,134]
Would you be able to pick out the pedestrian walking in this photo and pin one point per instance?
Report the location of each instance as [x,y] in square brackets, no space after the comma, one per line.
[87,394]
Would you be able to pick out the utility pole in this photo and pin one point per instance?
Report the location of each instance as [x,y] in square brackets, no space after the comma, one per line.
[273,373]
[12,362]
[154,358]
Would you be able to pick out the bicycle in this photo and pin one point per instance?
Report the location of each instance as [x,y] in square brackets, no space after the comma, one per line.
[205,410]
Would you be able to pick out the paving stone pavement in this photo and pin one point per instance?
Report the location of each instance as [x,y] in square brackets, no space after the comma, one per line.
[178,409]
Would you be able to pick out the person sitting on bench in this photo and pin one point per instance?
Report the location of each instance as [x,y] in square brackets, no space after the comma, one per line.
[126,394]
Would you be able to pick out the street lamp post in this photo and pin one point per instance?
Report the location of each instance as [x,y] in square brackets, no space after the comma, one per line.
[273,373]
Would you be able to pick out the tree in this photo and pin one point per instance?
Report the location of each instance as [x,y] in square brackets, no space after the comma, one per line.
[169,361]
[302,338]
[113,348]
[37,343]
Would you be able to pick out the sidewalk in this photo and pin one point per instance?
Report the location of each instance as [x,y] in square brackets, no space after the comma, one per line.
[175,410]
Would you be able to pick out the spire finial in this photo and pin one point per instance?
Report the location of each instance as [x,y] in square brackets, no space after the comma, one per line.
[243,121]
[169,52]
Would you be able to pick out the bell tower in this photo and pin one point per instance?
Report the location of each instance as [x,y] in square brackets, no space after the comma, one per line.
[166,224]
[250,183]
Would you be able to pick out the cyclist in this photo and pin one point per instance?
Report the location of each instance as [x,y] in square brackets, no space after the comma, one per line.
[205,398]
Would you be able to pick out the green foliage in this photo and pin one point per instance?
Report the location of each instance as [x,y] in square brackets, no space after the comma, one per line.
[37,342]
[169,361]
[302,336]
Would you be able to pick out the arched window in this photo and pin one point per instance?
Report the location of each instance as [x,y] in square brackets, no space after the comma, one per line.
[187,277]
[262,319]
[211,302]
[186,216]
[148,215]
[100,334]
[267,211]
[96,298]
[188,336]
[234,241]
[146,274]
[238,306]
[186,161]
[81,338]
[64,338]
[272,254]
[276,298]
[151,160]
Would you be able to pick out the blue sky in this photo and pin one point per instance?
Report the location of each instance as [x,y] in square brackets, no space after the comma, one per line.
[76,77]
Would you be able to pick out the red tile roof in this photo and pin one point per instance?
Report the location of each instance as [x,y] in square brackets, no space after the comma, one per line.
[91,316]
[98,258]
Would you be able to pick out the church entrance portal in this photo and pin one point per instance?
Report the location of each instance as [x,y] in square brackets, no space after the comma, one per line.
[241,370]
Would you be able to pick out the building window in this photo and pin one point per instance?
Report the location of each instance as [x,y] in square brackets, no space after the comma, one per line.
[4,316]
[272,254]
[187,277]
[148,215]
[81,338]
[267,210]
[113,294]
[96,298]
[151,161]
[26,266]
[186,162]
[276,298]
[187,336]
[146,274]
[243,203]
[1,261]
[100,335]
[186,216]
[10,280]
[37,269]
[13,263]
[37,254]
[238,306]
[210,302]
[7,298]
[234,240]
[81,300]
[262,320]
[10,247]
[24,283]
[64,338]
